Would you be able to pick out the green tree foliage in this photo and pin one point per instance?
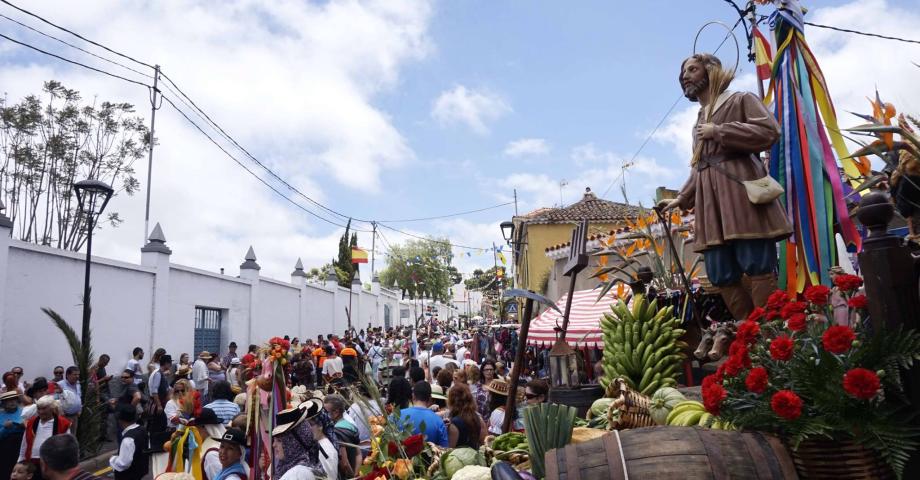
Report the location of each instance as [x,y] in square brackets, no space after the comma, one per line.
[344,269]
[485,281]
[50,141]
[422,268]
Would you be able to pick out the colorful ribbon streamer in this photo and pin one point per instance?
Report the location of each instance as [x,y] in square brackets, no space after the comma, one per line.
[803,159]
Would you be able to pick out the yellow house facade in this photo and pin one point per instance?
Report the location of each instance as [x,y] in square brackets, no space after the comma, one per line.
[538,231]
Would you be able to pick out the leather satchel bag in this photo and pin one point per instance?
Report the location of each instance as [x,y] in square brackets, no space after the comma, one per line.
[760,191]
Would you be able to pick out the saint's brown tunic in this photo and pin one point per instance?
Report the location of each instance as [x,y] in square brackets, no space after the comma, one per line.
[722,209]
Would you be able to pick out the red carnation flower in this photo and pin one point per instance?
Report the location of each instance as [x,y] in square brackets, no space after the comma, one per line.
[757,314]
[792,308]
[781,348]
[737,348]
[817,294]
[756,380]
[748,332]
[786,404]
[858,301]
[733,365]
[777,299]
[838,339]
[797,322]
[414,444]
[713,396]
[861,383]
[847,283]
[711,379]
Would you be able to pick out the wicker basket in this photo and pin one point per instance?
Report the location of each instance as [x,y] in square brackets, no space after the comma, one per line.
[630,409]
[838,460]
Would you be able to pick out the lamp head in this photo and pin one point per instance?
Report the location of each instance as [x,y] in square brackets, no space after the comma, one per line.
[507,230]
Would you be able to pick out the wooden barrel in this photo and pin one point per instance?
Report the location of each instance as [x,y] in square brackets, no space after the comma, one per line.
[581,398]
[673,453]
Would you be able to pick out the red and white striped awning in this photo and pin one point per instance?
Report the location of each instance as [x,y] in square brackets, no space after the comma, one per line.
[584,322]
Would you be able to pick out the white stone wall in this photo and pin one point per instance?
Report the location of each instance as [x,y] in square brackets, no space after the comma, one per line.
[153,304]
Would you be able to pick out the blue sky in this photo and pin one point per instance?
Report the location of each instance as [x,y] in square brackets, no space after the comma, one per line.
[412,109]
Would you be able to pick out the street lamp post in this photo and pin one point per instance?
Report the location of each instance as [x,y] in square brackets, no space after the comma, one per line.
[92,197]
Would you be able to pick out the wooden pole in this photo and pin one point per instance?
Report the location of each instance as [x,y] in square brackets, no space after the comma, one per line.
[517,367]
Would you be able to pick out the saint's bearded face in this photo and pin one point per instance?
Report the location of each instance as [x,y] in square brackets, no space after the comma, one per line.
[693,79]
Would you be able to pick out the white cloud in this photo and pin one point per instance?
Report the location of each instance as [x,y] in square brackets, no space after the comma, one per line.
[600,170]
[472,108]
[853,65]
[527,147]
[295,83]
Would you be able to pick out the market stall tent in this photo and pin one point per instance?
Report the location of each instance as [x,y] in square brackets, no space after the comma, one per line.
[584,322]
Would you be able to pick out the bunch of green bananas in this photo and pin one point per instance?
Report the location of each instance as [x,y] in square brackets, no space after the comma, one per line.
[641,346]
[691,413]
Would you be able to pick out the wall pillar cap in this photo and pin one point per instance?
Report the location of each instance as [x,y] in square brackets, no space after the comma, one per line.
[156,242]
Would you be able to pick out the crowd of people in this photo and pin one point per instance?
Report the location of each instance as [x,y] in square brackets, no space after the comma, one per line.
[442,383]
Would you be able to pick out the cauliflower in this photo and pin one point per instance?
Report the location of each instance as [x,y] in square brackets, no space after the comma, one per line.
[472,472]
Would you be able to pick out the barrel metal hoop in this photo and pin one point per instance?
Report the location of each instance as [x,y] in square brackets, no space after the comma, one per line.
[552,465]
[615,452]
[755,450]
[714,451]
[571,462]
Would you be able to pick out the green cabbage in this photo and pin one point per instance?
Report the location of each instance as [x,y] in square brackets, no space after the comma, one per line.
[453,460]
[599,408]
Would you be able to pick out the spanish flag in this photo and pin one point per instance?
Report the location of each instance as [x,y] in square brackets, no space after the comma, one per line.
[762,54]
[358,255]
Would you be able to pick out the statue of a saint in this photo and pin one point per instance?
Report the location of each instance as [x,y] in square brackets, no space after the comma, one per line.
[735,236]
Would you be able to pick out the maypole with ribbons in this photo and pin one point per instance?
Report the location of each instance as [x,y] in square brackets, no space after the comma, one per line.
[804,159]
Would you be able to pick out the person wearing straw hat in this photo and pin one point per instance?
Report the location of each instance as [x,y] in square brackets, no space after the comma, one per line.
[11,430]
[296,449]
[230,453]
[498,395]
[200,373]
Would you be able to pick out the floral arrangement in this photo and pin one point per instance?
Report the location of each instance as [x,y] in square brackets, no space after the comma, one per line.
[794,371]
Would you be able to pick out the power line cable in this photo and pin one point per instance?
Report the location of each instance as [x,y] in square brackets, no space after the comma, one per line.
[665,117]
[443,242]
[467,212]
[248,170]
[113,62]
[268,170]
[74,61]
[867,34]
[81,37]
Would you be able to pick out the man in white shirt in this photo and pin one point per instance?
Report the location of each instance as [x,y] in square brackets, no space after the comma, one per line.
[132,461]
[200,373]
[49,424]
[461,351]
[438,360]
[135,365]
[332,366]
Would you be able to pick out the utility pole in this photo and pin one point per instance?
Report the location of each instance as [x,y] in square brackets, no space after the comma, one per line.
[373,247]
[515,203]
[153,117]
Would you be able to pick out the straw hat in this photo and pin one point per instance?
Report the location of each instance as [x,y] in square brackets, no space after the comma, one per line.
[175,476]
[288,419]
[437,393]
[204,355]
[11,395]
[501,387]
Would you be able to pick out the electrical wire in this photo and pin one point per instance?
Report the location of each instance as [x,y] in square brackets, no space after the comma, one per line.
[81,37]
[867,34]
[467,212]
[248,170]
[665,117]
[443,242]
[74,62]
[113,62]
